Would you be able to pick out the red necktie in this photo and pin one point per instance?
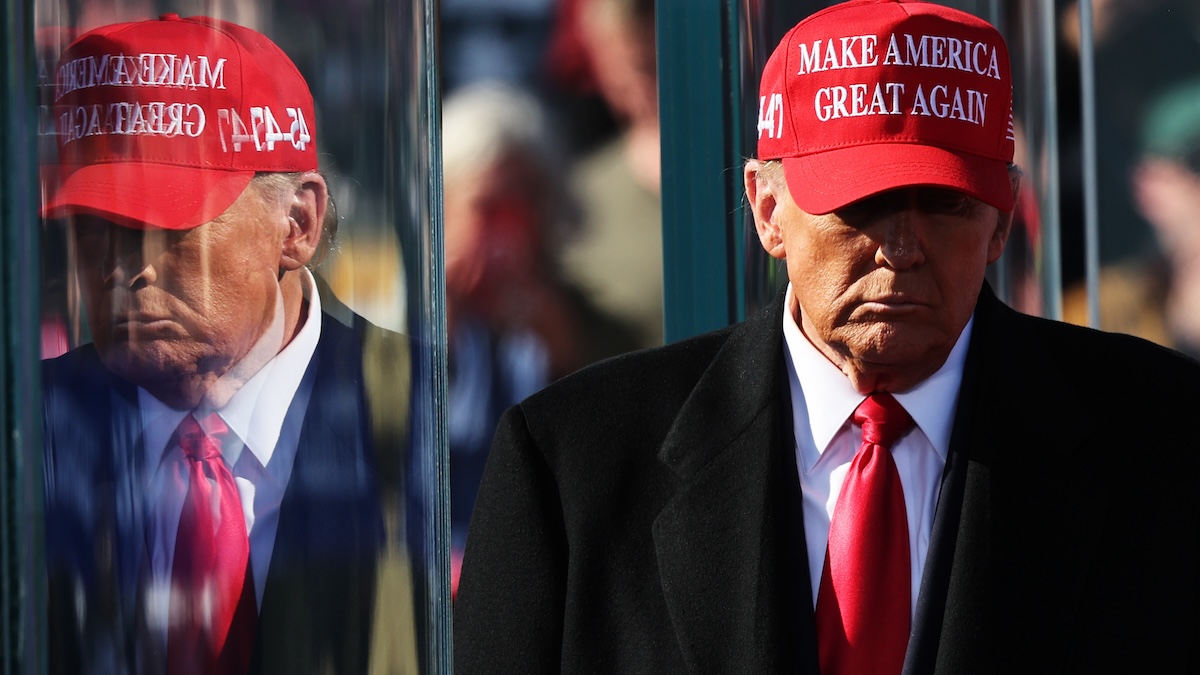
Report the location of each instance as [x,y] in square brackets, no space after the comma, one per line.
[863,605]
[213,611]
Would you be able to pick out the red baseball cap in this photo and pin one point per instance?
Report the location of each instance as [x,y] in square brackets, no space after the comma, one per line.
[872,95]
[162,123]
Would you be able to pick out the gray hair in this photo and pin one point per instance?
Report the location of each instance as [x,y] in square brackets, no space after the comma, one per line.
[489,122]
[772,171]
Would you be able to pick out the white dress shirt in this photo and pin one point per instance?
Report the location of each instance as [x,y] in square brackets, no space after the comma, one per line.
[823,401]
[254,413]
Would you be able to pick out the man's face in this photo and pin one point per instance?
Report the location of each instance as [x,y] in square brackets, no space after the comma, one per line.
[172,311]
[886,284]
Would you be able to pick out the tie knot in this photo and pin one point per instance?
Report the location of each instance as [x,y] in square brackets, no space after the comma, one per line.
[198,444]
[882,418]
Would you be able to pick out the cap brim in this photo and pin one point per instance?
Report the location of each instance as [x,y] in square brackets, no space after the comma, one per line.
[143,195]
[827,181]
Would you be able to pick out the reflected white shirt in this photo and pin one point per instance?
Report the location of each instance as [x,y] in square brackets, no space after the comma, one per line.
[827,439]
[254,414]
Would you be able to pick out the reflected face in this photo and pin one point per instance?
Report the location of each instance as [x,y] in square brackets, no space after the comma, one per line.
[890,281]
[172,311]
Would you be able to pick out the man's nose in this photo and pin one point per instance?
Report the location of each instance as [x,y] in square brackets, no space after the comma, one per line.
[900,247]
[130,257]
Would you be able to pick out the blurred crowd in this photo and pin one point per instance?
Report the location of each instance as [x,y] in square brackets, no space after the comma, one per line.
[1147,78]
[550,148]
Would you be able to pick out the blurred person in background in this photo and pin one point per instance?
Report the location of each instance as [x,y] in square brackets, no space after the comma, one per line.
[1157,295]
[1142,48]
[515,324]
[617,257]
[1166,189]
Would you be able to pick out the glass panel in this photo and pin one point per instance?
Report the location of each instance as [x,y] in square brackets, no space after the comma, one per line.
[763,24]
[21,592]
[243,338]
[1028,276]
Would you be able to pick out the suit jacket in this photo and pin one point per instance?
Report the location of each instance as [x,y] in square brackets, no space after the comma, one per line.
[644,515]
[318,603]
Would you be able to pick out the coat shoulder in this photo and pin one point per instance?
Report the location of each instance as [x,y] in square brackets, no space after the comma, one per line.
[1114,361]
[631,385]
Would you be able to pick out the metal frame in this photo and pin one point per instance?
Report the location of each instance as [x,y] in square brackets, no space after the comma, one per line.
[702,157]
[20,399]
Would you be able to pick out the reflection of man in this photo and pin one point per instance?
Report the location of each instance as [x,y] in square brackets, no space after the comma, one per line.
[888,471]
[213,499]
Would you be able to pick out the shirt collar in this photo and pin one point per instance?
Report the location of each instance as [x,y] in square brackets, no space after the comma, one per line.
[255,412]
[932,403]
[832,399]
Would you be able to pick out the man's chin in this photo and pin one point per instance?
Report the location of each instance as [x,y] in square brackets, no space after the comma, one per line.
[170,376]
[899,344]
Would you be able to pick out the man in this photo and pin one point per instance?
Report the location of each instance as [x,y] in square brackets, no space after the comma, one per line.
[217,476]
[888,471]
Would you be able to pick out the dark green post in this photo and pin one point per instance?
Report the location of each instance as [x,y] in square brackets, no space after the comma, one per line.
[701,160]
[20,400]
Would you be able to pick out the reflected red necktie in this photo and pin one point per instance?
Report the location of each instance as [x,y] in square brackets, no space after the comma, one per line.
[863,605]
[213,612]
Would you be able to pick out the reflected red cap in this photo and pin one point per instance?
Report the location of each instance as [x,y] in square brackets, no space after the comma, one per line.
[163,123]
[872,95]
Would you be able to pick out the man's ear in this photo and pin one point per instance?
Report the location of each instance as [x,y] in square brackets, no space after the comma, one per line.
[1005,220]
[306,218]
[764,202]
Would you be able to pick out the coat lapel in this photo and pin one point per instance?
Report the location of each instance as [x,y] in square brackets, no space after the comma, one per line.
[1031,507]
[317,600]
[1019,512]
[717,540]
[96,556]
